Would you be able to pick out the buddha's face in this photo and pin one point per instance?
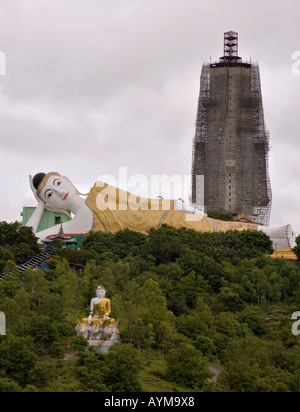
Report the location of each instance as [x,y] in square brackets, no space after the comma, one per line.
[101,293]
[58,192]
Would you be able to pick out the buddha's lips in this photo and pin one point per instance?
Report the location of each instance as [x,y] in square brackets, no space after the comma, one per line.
[66,196]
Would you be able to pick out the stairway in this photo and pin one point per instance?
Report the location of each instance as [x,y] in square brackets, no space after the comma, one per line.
[33,262]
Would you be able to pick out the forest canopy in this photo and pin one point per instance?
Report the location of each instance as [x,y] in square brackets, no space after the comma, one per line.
[187,303]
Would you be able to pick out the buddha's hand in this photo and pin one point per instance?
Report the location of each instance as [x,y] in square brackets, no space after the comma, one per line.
[40,201]
[34,190]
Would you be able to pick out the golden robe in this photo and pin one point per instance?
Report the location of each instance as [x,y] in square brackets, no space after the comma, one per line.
[115,210]
[101,314]
[102,309]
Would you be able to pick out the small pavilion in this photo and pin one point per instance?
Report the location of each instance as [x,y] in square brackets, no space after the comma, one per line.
[68,240]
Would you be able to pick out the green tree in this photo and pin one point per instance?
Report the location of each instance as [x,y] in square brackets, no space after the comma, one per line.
[199,322]
[128,242]
[227,324]
[21,239]
[6,254]
[248,349]
[57,351]
[90,373]
[165,336]
[11,283]
[164,244]
[206,346]
[17,359]
[240,376]
[7,385]
[152,303]
[225,216]
[122,367]
[187,367]
[255,320]
[296,249]
[78,344]
[232,298]
[44,372]
[30,389]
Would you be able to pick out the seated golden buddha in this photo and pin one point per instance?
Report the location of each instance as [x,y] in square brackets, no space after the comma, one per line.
[99,325]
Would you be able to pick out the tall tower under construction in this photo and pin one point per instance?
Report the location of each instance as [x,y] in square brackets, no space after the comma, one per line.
[231,144]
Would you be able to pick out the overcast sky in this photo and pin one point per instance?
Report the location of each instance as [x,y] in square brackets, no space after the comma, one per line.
[94,85]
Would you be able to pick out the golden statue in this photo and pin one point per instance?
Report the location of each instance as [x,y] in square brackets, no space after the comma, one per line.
[100,306]
[99,326]
[109,209]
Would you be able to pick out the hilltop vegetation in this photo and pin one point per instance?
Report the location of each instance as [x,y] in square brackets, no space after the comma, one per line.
[17,243]
[184,301]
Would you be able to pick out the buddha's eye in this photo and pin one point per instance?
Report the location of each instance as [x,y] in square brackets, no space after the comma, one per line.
[58,183]
[49,194]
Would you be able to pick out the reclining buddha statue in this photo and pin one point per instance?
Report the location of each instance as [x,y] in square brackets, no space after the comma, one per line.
[110,209]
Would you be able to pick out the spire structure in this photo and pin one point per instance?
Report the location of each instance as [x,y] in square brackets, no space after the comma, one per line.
[231,144]
[231,42]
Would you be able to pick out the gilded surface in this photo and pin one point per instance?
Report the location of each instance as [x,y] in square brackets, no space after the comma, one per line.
[115,209]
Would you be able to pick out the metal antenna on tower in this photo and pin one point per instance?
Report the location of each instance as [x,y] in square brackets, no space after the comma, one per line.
[231,44]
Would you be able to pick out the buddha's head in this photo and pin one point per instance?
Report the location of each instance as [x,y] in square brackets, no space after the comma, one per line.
[101,292]
[55,190]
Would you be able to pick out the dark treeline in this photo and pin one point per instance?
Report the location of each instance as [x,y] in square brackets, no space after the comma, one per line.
[184,301]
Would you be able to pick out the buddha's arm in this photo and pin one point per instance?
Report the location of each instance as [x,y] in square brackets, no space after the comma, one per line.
[35,219]
[107,308]
[92,307]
